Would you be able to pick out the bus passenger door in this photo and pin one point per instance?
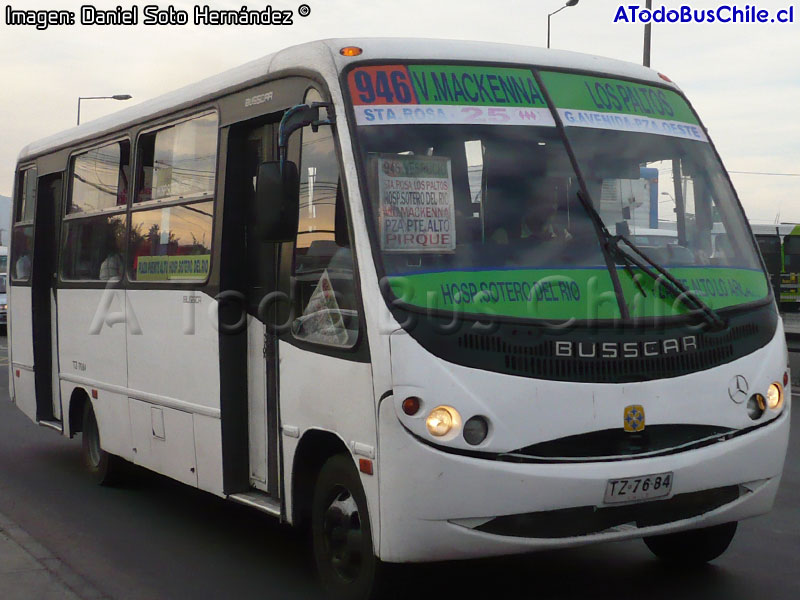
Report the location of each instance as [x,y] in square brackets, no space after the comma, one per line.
[43,297]
[249,144]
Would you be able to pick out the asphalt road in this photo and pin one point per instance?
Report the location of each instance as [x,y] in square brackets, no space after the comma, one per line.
[153,538]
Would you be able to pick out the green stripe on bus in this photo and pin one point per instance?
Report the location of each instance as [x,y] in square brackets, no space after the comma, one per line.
[600,94]
[572,293]
[475,86]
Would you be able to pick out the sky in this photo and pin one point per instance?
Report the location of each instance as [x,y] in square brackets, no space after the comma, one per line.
[743,79]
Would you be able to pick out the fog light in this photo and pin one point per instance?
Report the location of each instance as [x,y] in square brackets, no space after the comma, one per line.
[756,406]
[775,396]
[442,420]
[475,430]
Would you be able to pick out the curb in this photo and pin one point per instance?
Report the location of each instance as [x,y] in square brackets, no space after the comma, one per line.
[71,585]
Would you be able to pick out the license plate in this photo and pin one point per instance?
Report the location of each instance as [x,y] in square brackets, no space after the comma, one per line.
[634,489]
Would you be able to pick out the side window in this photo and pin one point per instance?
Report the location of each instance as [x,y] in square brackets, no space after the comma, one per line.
[22,253]
[22,235]
[324,289]
[27,195]
[172,243]
[93,245]
[100,178]
[179,161]
[94,248]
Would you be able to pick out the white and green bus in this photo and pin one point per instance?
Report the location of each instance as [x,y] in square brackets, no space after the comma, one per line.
[378,287]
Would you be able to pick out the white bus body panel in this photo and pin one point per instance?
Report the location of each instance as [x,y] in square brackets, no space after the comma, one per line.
[257,402]
[419,505]
[330,394]
[91,335]
[20,328]
[173,372]
[176,352]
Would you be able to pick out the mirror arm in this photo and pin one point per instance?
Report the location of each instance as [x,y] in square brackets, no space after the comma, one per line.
[287,127]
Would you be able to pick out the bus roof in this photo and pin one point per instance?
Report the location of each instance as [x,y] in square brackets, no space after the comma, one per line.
[324,56]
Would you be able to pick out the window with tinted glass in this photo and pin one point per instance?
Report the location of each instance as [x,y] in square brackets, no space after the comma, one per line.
[100,178]
[178,161]
[324,290]
[94,248]
[27,195]
[22,253]
[171,243]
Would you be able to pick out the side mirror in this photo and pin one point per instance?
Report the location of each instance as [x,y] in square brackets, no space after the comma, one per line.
[276,209]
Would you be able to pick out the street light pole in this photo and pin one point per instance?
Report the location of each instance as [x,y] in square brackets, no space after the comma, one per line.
[114,97]
[647,34]
[568,4]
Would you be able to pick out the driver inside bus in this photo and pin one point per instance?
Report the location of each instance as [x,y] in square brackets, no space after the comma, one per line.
[540,220]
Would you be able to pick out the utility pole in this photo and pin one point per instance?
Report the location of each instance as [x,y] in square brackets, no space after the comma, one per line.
[647,34]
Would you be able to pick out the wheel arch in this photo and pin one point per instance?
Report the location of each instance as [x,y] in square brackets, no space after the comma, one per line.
[77,400]
[314,448]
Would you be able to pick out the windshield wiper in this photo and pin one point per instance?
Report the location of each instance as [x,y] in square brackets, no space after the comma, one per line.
[640,260]
[689,299]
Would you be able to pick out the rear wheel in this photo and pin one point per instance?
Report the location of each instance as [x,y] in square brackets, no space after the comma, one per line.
[102,466]
[341,533]
[693,547]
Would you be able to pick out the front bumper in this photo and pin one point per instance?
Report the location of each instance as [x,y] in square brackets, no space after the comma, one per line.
[434,504]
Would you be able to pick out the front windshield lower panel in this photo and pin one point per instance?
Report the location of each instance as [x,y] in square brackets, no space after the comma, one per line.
[475,207]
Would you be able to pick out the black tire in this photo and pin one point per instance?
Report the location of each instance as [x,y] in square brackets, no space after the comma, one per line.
[103,467]
[341,535]
[693,547]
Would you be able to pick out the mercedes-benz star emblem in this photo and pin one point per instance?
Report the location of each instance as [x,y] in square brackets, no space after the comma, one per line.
[738,388]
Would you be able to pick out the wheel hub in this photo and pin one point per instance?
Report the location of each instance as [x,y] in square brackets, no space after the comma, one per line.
[343,534]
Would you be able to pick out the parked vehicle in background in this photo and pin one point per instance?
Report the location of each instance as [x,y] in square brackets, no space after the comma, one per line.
[3,303]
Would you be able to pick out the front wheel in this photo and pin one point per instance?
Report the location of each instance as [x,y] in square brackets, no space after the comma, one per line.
[102,466]
[341,533]
[693,547]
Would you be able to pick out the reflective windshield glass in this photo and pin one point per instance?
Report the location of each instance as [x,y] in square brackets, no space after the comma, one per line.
[653,177]
[476,207]
[472,195]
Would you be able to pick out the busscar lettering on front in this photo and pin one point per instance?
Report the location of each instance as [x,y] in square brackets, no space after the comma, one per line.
[568,349]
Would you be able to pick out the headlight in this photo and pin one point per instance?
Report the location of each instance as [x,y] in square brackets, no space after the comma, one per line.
[443,420]
[775,396]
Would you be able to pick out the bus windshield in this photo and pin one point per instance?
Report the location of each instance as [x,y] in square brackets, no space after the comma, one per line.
[476,206]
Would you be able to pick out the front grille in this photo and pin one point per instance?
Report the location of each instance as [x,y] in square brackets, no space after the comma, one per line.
[587,520]
[539,360]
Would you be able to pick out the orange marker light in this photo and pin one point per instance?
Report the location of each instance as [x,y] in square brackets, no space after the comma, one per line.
[94,394]
[350,51]
[665,78]
[786,379]
[365,465]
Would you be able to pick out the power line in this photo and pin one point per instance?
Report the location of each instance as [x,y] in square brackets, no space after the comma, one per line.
[770,174]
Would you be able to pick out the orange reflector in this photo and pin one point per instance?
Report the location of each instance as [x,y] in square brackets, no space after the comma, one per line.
[786,379]
[365,465]
[665,78]
[411,405]
[350,51]
[17,373]
[94,394]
